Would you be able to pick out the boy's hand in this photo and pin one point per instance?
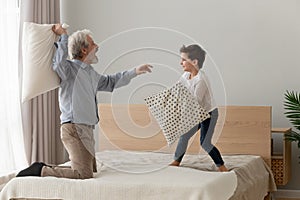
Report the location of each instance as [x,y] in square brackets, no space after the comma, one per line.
[143,69]
[58,29]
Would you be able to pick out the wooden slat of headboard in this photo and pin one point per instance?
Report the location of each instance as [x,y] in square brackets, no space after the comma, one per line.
[246,130]
[125,126]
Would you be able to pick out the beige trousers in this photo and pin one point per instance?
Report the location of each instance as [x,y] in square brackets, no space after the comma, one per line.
[79,142]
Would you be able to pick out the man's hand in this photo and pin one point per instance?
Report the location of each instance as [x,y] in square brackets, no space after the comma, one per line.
[58,29]
[143,69]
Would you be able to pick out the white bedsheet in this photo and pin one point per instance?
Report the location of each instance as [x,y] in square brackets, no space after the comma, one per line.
[165,183]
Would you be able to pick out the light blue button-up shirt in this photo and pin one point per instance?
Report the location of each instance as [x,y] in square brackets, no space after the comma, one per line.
[79,86]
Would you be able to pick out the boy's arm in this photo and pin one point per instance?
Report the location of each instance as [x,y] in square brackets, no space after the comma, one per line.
[200,91]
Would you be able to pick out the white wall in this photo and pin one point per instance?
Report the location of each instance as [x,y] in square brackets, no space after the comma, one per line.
[254,45]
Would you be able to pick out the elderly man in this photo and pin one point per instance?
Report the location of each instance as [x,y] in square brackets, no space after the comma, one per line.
[78,104]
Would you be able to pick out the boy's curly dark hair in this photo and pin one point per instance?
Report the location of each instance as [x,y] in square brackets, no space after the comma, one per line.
[194,51]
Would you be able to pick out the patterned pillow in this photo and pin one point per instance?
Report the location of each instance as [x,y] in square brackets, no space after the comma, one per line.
[176,110]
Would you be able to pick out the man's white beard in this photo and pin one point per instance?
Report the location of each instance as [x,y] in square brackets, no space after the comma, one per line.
[91,58]
[94,60]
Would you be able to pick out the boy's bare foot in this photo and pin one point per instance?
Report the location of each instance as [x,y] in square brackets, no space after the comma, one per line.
[222,168]
[175,163]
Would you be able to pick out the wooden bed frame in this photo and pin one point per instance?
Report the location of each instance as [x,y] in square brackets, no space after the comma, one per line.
[239,130]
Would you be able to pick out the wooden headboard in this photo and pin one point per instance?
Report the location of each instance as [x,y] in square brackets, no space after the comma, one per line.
[239,130]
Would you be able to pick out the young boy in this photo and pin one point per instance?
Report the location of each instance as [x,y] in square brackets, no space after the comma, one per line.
[194,78]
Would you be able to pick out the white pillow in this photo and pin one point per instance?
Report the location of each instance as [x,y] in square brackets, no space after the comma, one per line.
[38,50]
[176,111]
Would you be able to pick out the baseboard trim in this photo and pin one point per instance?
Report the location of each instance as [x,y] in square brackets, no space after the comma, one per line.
[287,194]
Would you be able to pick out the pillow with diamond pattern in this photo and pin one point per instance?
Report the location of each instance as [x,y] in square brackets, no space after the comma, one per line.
[176,110]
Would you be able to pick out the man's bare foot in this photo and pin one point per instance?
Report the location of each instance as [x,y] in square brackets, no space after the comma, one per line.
[222,168]
[175,163]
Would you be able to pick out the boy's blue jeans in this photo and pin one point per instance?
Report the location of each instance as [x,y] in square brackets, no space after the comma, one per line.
[207,128]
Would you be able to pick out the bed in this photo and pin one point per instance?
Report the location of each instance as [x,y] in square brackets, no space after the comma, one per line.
[133,161]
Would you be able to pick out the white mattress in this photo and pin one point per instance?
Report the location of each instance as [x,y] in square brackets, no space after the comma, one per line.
[128,175]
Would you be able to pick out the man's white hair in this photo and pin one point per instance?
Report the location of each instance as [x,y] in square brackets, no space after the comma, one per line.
[77,41]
